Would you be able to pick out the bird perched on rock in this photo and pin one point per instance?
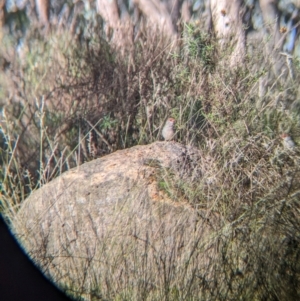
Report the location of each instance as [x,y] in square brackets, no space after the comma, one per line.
[288,143]
[168,129]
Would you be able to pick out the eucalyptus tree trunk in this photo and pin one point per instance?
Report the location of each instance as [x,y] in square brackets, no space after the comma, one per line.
[279,63]
[42,8]
[228,26]
[119,27]
[271,18]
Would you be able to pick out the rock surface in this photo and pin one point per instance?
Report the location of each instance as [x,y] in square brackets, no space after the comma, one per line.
[103,219]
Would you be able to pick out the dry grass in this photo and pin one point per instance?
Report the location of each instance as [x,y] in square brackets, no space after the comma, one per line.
[67,101]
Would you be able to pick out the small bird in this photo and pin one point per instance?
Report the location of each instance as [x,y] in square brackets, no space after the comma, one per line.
[168,129]
[288,143]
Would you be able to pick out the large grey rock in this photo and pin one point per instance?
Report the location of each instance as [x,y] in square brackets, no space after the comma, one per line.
[107,226]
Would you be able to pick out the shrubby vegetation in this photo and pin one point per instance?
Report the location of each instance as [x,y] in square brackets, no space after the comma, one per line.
[67,99]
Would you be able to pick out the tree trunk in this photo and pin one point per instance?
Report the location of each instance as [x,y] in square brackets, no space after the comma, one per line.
[228,26]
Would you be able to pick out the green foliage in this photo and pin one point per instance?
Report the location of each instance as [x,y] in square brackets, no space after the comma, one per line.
[199,45]
[107,123]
